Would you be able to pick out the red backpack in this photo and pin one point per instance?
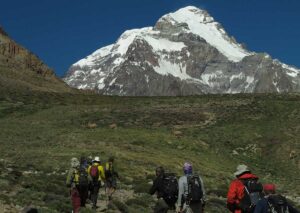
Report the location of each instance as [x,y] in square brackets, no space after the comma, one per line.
[94,172]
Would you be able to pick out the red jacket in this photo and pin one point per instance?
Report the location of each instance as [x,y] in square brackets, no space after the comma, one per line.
[236,192]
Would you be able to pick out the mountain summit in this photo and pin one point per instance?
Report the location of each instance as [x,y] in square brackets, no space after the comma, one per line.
[187,52]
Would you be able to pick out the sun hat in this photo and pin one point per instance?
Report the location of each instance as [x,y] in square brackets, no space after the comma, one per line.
[240,169]
[97,159]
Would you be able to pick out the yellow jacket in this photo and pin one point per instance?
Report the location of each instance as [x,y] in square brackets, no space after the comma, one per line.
[71,182]
[100,171]
[73,177]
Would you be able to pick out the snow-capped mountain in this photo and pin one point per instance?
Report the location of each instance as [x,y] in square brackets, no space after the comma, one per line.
[187,52]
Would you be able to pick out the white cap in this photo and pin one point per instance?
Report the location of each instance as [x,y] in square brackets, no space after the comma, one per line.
[96,159]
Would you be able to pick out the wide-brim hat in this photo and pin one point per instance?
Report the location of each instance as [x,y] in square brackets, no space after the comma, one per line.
[241,169]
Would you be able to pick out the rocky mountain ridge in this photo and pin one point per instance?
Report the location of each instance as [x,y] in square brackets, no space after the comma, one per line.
[10,51]
[186,53]
[21,69]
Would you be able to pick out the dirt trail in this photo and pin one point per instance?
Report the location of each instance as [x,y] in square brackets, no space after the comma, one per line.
[103,203]
[4,208]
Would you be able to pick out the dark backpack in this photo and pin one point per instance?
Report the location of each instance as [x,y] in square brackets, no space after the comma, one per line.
[108,171]
[277,204]
[94,172]
[253,192]
[195,191]
[83,179]
[170,188]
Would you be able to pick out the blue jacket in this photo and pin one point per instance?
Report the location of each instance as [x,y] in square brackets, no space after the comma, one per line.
[262,206]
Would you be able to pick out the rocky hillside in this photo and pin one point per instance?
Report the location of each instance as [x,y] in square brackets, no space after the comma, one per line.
[187,52]
[42,132]
[22,70]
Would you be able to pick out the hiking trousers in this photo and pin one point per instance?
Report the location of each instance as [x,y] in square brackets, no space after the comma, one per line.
[111,182]
[194,208]
[75,198]
[83,193]
[162,207]
[94,192]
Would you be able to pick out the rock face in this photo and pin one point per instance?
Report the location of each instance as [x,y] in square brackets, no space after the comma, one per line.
[21,68]
[185,53]
[13,55]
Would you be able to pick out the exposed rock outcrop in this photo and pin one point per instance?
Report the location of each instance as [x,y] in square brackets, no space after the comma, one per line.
[187,52]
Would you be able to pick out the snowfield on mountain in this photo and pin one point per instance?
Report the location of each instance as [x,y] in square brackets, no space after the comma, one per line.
[186,53]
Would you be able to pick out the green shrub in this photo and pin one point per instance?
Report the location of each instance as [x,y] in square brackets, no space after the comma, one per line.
[141,187]
[138,202]
[216,205]
[121,206]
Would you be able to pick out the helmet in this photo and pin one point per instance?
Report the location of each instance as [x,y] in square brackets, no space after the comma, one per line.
[187,168]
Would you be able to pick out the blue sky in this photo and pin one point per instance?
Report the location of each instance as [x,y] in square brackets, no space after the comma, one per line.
[61,32]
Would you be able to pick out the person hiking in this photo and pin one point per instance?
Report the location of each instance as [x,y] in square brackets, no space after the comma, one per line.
[89,163]
[166,188]
[191,195]
[83,182]
[244,192]
[110,178]
[273,203]
[89,160]
[96,173]
[72,183]
[84,162]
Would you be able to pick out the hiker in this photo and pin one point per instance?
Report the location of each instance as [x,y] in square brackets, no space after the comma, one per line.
[110,178]
[191,195]
[89,160]
[89,163]
[166,188]
[83,182]
[72,182]
[84,162]
[96,173]
[273,203]
[244,192]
